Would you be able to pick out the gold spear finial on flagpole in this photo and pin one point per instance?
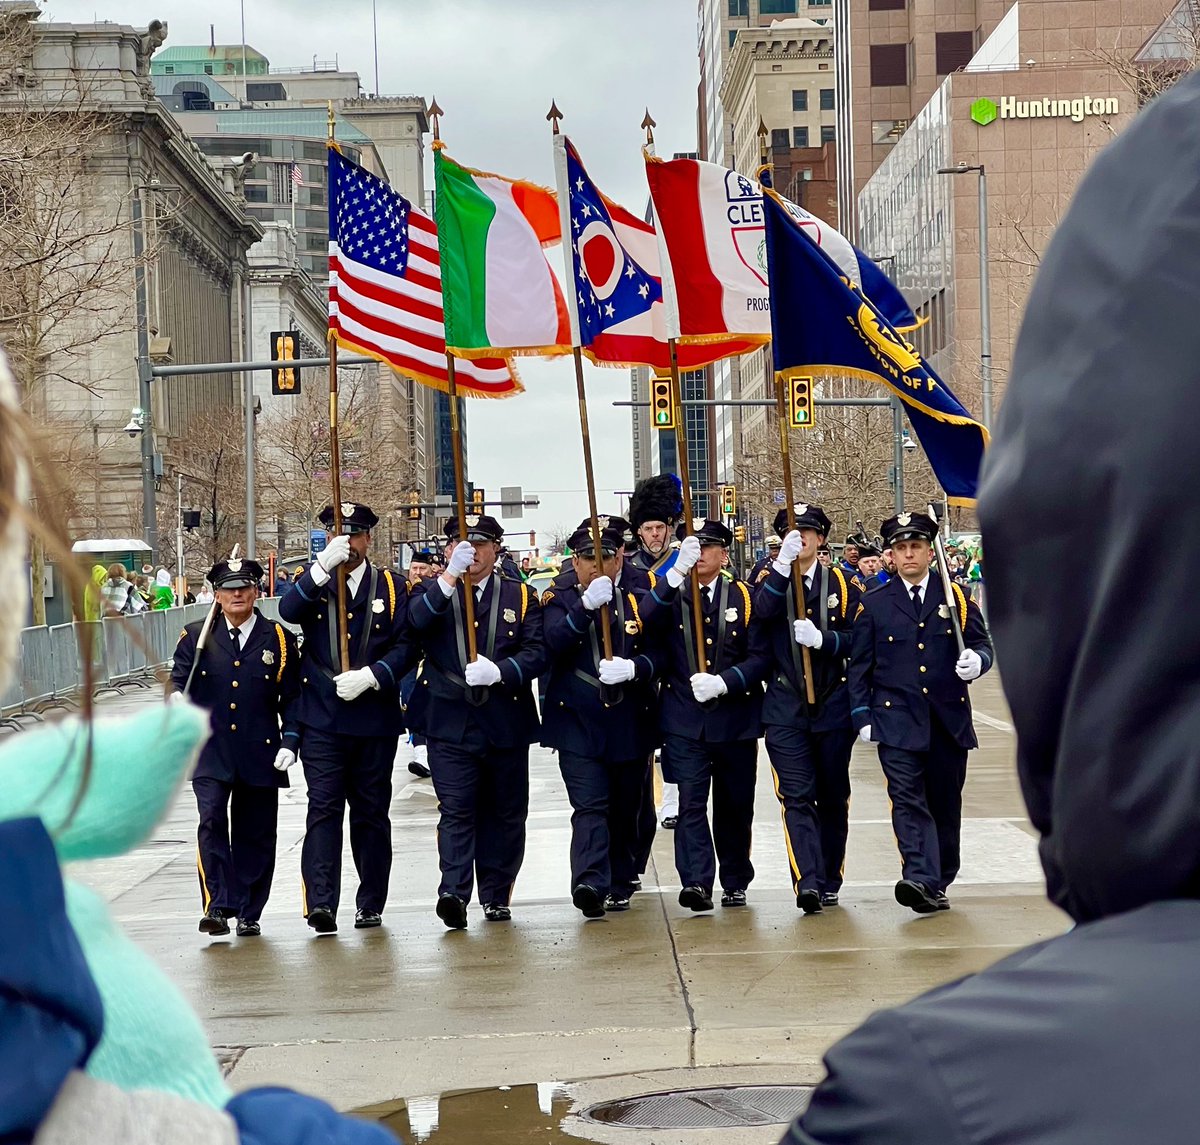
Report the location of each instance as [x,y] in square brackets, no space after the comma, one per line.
[649,125]
[435,117]
[764,154]
[554,115]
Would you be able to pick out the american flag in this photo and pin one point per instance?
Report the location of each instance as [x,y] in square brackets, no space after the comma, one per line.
[385,285]
[297,174]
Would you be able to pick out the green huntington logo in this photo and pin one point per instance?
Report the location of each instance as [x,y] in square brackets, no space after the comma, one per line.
[984,111]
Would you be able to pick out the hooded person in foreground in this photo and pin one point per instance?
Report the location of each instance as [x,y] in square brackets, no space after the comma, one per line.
[1092,1037]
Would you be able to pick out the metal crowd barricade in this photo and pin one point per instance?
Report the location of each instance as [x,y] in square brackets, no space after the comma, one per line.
[68,665]
[37,670]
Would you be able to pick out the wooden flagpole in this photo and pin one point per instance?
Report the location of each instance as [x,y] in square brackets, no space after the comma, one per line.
[335,469]
[554,115]
[456,449]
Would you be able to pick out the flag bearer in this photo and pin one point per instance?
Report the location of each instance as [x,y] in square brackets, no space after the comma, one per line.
[248,677]
[908,694]
[599,715]
[709,719]
[350,722]
[809,745]
[479,718]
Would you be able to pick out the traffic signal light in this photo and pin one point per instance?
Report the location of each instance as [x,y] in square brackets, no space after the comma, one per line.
[414,497]
[739,534]
[285,346]
[800,403]
[477,499]
[662,409]
[728,501]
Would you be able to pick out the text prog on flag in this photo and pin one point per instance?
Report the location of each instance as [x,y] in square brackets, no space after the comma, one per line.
[822,324]
[385,288]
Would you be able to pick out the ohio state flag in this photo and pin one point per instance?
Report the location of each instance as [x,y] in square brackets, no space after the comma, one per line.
[710,225]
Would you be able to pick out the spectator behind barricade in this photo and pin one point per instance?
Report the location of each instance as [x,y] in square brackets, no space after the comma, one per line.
[1090,1038]
[93,594]
[283,583]
[116,592]
[164,594]
[205,595]
[142,591]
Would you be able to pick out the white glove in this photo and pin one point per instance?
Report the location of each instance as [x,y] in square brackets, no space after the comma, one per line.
[792,547]
[599,592]
[864,733]
[808,634]
[284,758]
[350,685]
[461,559]
[969,665]
[706,686]
[334,553]
[618,670]
[482,674]
[685,561]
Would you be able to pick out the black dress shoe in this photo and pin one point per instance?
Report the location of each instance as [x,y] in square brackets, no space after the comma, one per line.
[809,902]
[943,903]
[637,884]
[829,898]
[588,900]
[695,898]
[614,904]
[670,823]
[496,912]
[366,919]
[248,929]
[733,898]
[452,911]
[916,896]
[321,919]
[214,922]
[419,770]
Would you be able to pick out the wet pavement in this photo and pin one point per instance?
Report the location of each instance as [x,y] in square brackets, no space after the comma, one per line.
[410,1015]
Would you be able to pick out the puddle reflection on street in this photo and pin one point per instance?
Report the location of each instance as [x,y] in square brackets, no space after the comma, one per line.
[510,1115]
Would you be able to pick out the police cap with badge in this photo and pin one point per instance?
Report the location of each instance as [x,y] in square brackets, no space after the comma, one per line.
[613,534]
[807,517]
[480,527]
[908,527]
[355,518]
[708,532]
[235,573]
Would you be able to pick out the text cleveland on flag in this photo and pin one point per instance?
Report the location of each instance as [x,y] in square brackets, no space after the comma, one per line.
[385,287]
[616,279]
[499,292]
[710,221]
[822,324]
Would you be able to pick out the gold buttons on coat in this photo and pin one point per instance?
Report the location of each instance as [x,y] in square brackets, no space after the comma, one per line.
[922,667]
[233,707]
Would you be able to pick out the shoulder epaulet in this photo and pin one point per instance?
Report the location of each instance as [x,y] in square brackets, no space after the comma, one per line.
[842,595]
[391,587]
[745,596]
[282,638]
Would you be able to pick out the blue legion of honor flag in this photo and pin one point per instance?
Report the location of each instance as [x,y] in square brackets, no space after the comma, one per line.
[823,324]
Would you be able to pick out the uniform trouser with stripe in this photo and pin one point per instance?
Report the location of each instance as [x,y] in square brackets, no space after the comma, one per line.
[812,784]
[483,803]
[606,801]
[236,845]
[729,771]
[346,770]
[925,788]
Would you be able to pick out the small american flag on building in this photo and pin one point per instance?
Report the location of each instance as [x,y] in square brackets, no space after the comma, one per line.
[385,285]
[297,174]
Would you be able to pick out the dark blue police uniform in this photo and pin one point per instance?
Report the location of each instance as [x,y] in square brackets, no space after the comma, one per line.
[809,746]
[903,684]
[249,687]
[714,745]
[604,734]
[478,737]
[348,747]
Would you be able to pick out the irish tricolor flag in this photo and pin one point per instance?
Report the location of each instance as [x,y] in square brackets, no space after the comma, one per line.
[499,293]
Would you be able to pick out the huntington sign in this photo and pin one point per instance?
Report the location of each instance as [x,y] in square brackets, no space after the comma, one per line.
[986,111]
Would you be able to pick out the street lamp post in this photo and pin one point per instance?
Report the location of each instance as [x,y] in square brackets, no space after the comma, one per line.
[149,501]
[985,302]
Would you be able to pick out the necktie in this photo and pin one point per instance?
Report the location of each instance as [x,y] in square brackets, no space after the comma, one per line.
[235,635]
[916,595]
[707,597]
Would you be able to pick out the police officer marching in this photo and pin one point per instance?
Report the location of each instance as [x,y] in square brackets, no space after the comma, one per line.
[599,715]
[908,693]
[762,567]
[654,508]
[350,721]
[248,678]
[709,716]
[809,744]
[479,718]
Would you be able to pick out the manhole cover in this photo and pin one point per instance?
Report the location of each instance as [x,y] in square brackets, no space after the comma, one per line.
[719,1108]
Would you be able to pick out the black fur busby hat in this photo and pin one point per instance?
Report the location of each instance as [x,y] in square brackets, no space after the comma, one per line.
[656,499]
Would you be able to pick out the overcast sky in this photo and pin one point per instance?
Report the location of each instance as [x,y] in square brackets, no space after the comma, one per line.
[494,66]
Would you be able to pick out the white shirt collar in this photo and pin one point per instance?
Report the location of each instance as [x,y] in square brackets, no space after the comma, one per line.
[354,578]
[478,586]
[811,574]
[245,628]
[712,582]
[922,584]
